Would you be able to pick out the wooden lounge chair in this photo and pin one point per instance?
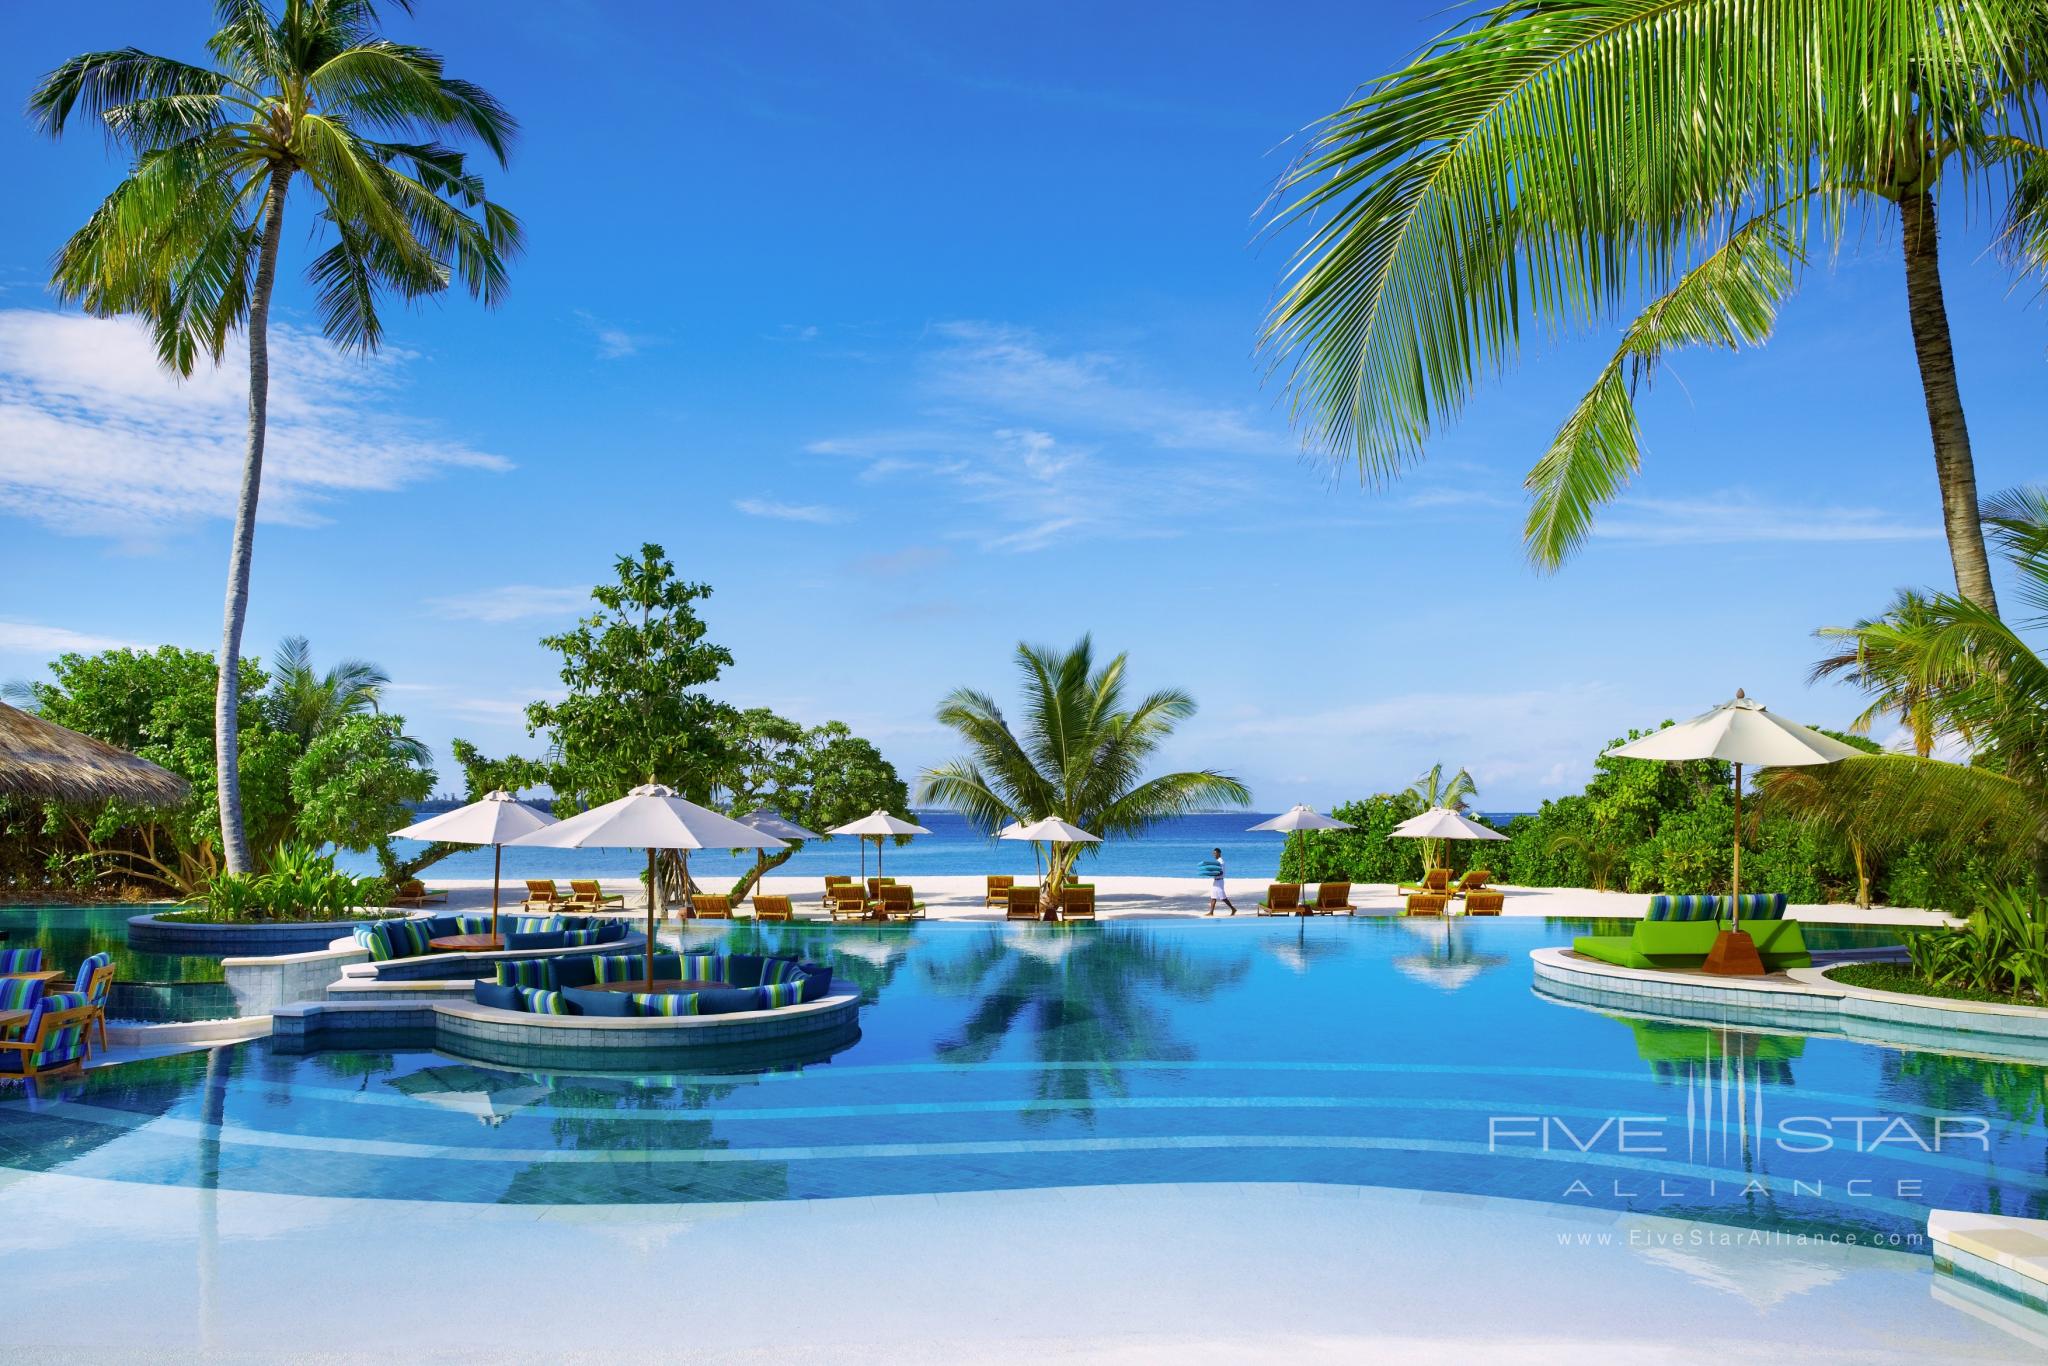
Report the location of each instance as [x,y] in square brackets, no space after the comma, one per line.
[414,893]
[832,880]
[1022,905]
[1437,880]
[847,902]
[1429,903]
[1473,881]
[998,893]
[1334,898]
[53,1039]
[773,908]
[712,907]
[543,894]
[899,902]
[589,895]
[1077,903]
[1282,898]
[95,983]
[876,884]
[1481,902]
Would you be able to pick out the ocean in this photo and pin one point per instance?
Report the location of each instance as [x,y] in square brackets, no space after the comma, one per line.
[1172,848]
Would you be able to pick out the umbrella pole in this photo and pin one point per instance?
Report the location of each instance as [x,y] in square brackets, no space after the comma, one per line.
[689,902]
[1735,887]
[653,890]
[497,865]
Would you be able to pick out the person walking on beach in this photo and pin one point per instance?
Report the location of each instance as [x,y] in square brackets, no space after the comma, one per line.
[1212,867]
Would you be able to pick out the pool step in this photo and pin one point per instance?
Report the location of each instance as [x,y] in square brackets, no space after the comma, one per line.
[2001,1253]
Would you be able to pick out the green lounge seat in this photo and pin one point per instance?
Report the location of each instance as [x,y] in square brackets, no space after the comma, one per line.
[1679,931]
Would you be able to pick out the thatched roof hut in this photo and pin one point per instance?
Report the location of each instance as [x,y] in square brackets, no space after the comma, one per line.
[39,759]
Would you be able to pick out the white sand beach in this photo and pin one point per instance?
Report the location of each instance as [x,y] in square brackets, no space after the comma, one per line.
[959,897]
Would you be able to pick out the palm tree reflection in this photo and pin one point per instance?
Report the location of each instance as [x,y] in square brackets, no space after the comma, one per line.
[1085,1000]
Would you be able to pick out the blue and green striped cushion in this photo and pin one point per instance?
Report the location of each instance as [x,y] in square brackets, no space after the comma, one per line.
[773,994]
[527,972]
[29,959]
[1683,907]
[1759,906]
[774,970]
[665,1002]
[703,967]
[405,938]
[377,944]
[537,924]
[540,1002]
[473,924]
[86,968]
[618,967]
[20,993]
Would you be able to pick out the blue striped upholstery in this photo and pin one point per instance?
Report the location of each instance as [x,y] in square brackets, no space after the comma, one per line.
[776,970]
[57,1046]
[537,924]
[86,968]
[774,994]
[20,993]
[29,959]
[1683,908]
[472,924]
[665,1003]
[528,972]
[539,1002]
[619,967]
[704,967]
[377,944]
[1759,906]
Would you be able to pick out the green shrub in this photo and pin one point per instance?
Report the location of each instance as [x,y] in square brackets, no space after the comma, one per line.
[302,885]
[2002,950]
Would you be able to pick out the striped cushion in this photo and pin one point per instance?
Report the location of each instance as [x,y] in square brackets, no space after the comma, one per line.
[578,939]
[540,1002]
[528,972]
[704,967]
[20,993]
[1683,908]
[665,1002]
[21,960]
[86,968]
[377,944]
[775,970]
[1759,906]
[773,994]
[537,924]
[472,924]
[618,967]
[408,938]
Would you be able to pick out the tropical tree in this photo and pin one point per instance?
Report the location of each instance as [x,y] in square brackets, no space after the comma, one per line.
[1554,163]
[307,95]
[1432,789]
[1877,656]
[304,702]
[817,777]
[1080,756]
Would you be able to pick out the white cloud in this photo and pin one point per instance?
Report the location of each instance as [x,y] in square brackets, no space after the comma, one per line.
[512,602]
[97,439]
[615,342]
[1736,517]
[790,512]
[31,638]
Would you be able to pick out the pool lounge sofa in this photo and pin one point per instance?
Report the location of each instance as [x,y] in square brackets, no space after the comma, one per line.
[566,986]
[1679,931]
[409,938]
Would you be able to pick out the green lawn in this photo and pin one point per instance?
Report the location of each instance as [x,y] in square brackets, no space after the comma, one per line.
[1898,977]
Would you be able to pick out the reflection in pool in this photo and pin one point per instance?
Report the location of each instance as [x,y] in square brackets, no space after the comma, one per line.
[147,986]
[1374,1052]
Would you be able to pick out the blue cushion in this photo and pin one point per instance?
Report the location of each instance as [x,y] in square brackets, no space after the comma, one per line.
[1684,908]
[541,939]
[574,970]
[780,970]
[86,968]
[28,959]
[624,967]
[610,932]
[817,985]
[536,924]
[601,1002]
[703,967]
[439,925]
[1759,906]
[743,970]
[573,922]
[471,924]
[503,997]
[664,1002]
[528,972]
[546,1002]
[20,993]
[726,1000]
[774,995]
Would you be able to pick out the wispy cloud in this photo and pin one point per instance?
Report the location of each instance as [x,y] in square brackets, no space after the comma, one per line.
[96,439]
[814,513]
[890,564]
[1737,517]
[32,638]
[511,602]
[615,342]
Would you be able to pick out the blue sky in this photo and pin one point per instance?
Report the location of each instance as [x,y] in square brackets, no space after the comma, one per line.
[917,330]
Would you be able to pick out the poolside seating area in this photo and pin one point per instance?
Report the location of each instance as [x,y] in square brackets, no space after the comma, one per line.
[1677,932]
[38,1015]
[1287,898]
[413,937]
[685,984]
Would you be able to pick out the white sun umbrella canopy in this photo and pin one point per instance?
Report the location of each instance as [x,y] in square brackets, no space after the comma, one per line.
[1739,731]
[651,817]
[1442,823]
[1302,818]
[877,826]
[771,823]
[1053,830]
[496,819]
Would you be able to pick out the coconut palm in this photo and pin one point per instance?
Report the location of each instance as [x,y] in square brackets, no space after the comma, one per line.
[304,702]
[1432,790]
[1554,163]
[1876,656]
[1080,756]
[308,95]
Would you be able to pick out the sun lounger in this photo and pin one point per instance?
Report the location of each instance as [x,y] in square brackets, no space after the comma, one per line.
[415,893]
[1282,898]
[831,881]
[875,885]
[1022,905]
[998,893]
[773,908]
[899,902]
[847,902]
[1334,898]
[1429,903]
[1077,903]
[588,895]
[711,907]
[95,982]
[1679,931]
[1473,881]
[544,895]
[1480,902]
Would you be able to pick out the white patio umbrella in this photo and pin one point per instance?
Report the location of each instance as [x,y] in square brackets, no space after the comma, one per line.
[1048,830]
[770,823]
[1738,732]
[496,819]
[877,825]
[1304,819]
[651,817]
[1442,823]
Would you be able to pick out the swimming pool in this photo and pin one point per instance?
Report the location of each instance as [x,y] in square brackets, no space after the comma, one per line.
[147,986]
[1370,1053]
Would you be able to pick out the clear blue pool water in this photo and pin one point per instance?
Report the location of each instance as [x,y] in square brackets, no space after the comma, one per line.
[1374,1052]
[147,986]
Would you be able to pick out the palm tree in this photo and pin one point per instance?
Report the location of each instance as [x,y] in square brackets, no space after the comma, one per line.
[1876,656]
[309,94]
[1553,162]
[1081,757]
[1431,790]
[304,703]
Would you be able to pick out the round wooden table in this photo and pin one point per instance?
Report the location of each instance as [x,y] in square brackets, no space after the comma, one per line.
[661,985]
[466,943]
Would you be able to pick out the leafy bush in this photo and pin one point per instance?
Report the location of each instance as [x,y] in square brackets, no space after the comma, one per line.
[302,885]
[2002,950]
[1365,854]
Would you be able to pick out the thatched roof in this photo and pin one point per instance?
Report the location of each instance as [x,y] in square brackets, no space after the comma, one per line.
[44,760]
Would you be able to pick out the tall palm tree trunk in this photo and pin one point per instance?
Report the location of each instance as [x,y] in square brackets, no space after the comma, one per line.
[227,740]
[1953,464]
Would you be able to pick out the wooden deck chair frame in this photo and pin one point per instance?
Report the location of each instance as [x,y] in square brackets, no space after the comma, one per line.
[1282,898]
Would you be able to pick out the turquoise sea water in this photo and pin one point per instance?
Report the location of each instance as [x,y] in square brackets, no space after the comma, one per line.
[1369,1052]
[1173,848]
